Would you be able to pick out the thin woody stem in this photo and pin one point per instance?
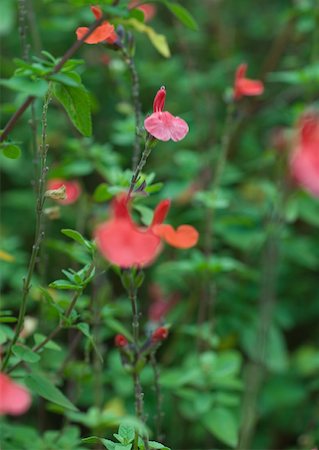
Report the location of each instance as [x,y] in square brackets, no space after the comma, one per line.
[129,60]
[68,54]
[39,234]
[139,395]
[146,153]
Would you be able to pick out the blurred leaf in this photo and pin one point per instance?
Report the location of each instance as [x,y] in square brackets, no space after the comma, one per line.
[222,424]
[158,40]
[37,88]
[182,15]
[41,385]
[11,151]
[25,354]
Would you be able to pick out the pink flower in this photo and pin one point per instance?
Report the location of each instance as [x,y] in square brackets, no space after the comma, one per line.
[72,188]
[103,33]
[148,9]
[124,243]
[304,162]
[162,124]
[14,399]
[245,86]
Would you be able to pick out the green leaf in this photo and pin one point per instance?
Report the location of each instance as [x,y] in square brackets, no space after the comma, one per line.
[51,345]
[102,193]
[76,236]
[157,445]
[64,284]
[25,354]
[68,79]
[127,432]
[223,425]
[37,87]
[11,151]
[76,102]
[182,15]
[41,385]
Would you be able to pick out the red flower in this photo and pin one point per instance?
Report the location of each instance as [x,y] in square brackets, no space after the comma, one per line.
[103,33]
[14,399]
[125,244]
[148,9]
[72,187]
[120,340]
[160,334]
[162,124]
[245,86]
[304,163]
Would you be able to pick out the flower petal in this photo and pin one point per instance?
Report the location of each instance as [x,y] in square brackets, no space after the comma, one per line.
[104,32]
[156,127]
[250,87]
[185,236]
[14,399]
[160,212]
[96,10]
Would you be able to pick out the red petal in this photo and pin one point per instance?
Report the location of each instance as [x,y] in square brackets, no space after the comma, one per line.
[164,126]
[103,33]
[184,237]
[160,212]
[250,87]
[96,10]
[14,399]
[159,100]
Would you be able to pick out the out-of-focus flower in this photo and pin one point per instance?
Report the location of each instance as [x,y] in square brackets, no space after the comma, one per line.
[72,190]
[120,340]
[304,161]
[29,326]
[162,124]
[124,243]
[245,86]
[14,399]
[160,334]
[185,236]
[103,33]
[160,305]
[149,10]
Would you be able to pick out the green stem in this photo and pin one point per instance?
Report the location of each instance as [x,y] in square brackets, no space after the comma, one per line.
[146,153]
[39,234]
[158,394]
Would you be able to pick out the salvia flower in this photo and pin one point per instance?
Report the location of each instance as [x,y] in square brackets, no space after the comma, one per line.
[185,236]
[120,340]
[160,334]
[245,86]
[126,244]
[14,399]
[304,161]
[162,124]
[72,190]
[103,33]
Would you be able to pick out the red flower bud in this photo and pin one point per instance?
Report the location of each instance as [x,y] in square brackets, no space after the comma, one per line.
[120,340]
[160,334]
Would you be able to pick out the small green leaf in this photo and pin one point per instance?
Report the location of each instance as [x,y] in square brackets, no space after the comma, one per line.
[64,284]
[223,425]
[182,15]
[8,319]
[76,102]
[51,345]
[41,385]
[11,151]
[127,432]
[25,354]
[76,236]
[157,445]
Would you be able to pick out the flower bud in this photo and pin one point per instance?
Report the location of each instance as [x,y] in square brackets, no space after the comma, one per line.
[160,334]
[120,340]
